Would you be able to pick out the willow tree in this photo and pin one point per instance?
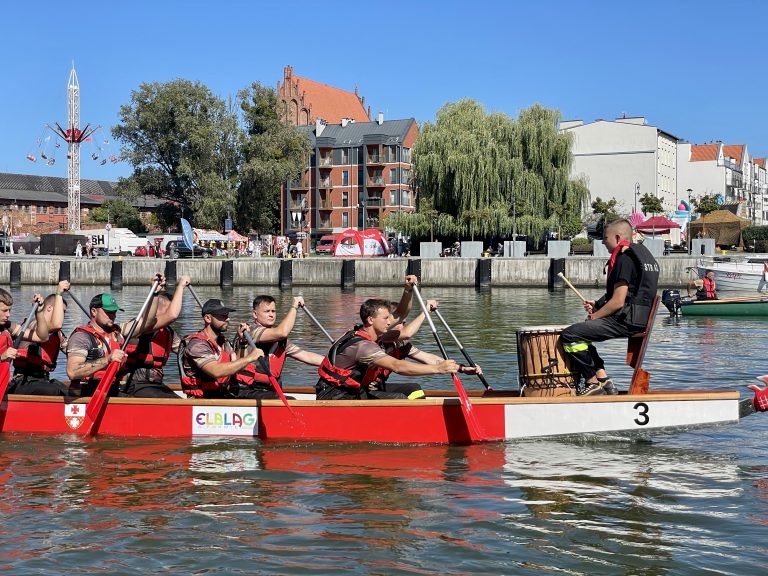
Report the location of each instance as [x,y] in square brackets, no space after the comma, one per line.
[496,175]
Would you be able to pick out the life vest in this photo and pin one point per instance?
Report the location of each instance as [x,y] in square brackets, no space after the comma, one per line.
[398,350]
[708,290]
[254,375]
[6,341]
[36,358]
[637,306]
[149,350]
[102,345]
[200,383]
[359,376]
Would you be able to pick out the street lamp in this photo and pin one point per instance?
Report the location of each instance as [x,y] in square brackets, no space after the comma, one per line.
[690,213]
[637,193]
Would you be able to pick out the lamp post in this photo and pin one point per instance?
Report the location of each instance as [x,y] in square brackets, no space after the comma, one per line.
[637,193]
[690,213]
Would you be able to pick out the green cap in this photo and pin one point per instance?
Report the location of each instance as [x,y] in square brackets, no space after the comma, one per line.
[106,301]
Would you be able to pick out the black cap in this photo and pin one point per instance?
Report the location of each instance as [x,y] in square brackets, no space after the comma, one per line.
[216,307]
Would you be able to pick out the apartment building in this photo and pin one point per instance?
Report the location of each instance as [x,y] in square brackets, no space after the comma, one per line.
[625,159]
[357,174]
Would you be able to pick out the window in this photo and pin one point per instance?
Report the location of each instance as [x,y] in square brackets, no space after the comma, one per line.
[393,176]
[407,155]
[406,198]
[393,198]
[344,156]
[345,219]
[345,177]
[345,199]
[405,176]
[39,209]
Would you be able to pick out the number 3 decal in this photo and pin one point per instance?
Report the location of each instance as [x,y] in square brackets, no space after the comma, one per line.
[642,418]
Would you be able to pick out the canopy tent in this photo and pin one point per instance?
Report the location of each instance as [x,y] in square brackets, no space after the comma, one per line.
[369,242]
[722,225]
[202,235]
[657,225]
[236,237]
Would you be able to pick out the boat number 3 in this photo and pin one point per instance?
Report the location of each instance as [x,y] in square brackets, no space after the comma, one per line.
[642,415]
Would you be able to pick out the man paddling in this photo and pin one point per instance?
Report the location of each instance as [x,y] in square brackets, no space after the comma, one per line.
[208,361]
[149,352]
[272,339]
[93,346]
[37,359]
[633,277]
[356,361]
[10,330]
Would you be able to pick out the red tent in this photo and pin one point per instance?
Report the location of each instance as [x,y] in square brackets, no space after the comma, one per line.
[353,243]
[657,225]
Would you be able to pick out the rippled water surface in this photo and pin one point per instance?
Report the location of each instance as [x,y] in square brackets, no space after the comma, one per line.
[693,503]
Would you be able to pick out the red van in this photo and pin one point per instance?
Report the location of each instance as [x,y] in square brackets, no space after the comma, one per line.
[325,244]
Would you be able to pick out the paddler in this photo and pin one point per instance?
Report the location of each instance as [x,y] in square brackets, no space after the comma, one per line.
[36,359]
[93,346]
[10,330]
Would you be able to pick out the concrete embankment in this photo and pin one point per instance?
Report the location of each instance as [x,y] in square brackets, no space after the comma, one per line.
[503,272]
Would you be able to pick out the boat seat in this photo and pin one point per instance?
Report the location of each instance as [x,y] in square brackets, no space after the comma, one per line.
[636,345]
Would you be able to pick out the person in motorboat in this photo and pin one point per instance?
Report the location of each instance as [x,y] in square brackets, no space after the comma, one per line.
[705,287]
[148,353]
[93,346]
[208,361]
[631,284]
[356,361]
[272,339]
[36,359]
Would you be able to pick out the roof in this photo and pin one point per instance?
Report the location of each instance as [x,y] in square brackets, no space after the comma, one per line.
[701,152]
[329,103]
[759,161]
[735,151]
[29,188]
[352,134]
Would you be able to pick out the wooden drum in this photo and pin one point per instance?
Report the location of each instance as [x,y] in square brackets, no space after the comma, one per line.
[545,369]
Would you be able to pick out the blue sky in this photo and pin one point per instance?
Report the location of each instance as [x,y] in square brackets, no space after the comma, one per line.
[694,68]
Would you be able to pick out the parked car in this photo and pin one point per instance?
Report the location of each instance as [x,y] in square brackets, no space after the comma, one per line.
[179,250]
[325,244]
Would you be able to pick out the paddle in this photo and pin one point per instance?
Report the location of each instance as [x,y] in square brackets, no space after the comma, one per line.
[733,299]
[99,399]
[466,406]
[268,372]
[463,350]
[80,304]
[5,367]
[312,317]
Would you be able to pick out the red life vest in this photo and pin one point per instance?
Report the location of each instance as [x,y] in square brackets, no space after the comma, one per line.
[254,375]
[708,290]
[359,376]
[6,341]
[196,386]
[398,350]
[103,345]
[35,358]
[149,350]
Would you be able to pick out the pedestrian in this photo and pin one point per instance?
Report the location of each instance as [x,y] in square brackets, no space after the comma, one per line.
[78,250]
[88,247]
[299,249]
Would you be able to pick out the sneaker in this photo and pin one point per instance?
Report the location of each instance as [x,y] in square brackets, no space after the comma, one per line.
[610,388]
[593,389]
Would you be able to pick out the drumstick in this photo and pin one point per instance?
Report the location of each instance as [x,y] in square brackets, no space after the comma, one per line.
[572,287]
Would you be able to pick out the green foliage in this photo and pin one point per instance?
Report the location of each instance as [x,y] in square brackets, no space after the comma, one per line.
[488,173]
[273,152]
[706,204]
[581,242]
[651,204]
[756,238]
[606,211]
[183,144]
[120,213]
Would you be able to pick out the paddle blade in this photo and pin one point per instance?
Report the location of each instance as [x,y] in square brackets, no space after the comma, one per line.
[99,399]
[466,407]
[5,378]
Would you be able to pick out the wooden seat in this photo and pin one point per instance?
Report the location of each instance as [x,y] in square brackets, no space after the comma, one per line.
[636,345]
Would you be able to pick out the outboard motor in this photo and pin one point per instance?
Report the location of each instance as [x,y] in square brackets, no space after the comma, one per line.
[671,299]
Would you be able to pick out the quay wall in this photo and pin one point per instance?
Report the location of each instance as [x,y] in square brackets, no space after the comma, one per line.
[583,271]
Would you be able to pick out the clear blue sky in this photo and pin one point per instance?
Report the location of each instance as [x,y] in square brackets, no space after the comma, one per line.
[694,68]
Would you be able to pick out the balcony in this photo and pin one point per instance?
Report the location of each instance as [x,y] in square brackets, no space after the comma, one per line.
[371,222]
[325,205]
[301,205]
[377,182]
[325,223]
[375,201]
[301,184]
[374,159]
[325,183]
[326,162]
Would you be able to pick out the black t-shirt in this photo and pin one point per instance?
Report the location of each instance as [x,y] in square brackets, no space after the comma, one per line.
[625,270]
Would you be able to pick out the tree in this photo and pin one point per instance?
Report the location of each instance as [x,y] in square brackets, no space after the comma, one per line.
[120,213]
[495,175]
[183,143]
[273,153]
[651,204]
[606,211]
[706,204]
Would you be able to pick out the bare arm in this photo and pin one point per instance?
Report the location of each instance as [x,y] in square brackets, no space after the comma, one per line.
[404,306]
[78,367]
[308,357]
[174,309]
[283,330]
[416,369]
[222,369]
[616,302]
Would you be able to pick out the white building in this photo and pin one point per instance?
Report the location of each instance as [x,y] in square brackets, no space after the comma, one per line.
[625,159]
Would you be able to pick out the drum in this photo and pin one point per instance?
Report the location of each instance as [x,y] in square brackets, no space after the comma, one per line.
[545,369]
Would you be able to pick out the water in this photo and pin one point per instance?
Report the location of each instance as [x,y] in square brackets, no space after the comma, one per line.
[692,503]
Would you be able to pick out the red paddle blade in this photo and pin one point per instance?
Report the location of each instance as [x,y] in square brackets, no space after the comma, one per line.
[99,399]
[466,407]
[279,390]
[5,377]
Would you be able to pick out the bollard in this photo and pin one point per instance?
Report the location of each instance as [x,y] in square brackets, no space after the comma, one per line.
[414,268]
[116,275]
[286,274]
[348,273]
[15,273]
[556,266]
[64,270]
[227,273]
[170,273]
[483,272]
